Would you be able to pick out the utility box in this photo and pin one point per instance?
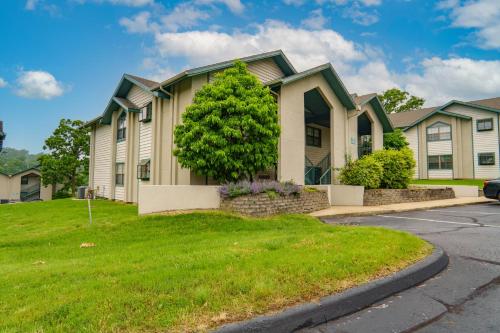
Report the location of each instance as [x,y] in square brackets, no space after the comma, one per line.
[81,192]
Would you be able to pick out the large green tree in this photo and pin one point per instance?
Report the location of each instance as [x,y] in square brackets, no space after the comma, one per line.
[66,159]
[231,130]
[395,140]
[396,100]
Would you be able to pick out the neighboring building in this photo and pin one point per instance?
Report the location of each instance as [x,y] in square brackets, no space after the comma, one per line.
[321,124]
[456,140]
[2,135]
[25,185]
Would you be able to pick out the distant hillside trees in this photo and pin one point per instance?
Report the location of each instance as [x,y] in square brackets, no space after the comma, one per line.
[16,160]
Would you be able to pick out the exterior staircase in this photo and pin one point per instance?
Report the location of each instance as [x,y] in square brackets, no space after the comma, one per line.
[30,193]
[319,174]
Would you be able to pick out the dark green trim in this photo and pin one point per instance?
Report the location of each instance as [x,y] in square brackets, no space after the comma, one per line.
[437,111]
[126,83]
[161,94]
[381,114]
[469,105]
[331,78]
[278,56]
[124,107]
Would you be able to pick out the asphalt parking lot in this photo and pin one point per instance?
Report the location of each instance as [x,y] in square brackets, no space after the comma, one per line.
[465,297]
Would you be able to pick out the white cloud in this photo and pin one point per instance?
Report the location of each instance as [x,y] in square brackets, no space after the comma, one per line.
[129,3]
[184,15]
[482,15]
[3,83]
[315,21]
[360,16]
[234,5]
[458,78]
[31,4]
[305,48]
[137,24]
[38,85]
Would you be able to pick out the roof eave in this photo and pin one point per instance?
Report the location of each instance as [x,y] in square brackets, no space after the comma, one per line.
[379,109]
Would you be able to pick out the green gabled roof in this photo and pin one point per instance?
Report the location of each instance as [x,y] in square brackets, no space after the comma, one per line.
[470,104]
[118,99]
[437,111]
[330,76]
[278,56]
[377,106]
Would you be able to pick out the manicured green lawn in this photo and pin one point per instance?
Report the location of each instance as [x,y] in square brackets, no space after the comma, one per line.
[175,273]
[476,182]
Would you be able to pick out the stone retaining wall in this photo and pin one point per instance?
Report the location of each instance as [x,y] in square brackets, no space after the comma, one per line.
[390,196]
[263,204]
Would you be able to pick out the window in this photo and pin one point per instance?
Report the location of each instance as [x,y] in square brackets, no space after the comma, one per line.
[440,162]
[143,170]
[146,113]
[121,133]
[438,132]
[24,180]
[120,174]
[484,125]
[313,136]
[486,158]
[364,145]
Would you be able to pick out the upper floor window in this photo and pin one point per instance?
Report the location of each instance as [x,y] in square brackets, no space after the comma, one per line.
[24,180]
[121,132]
[438,132]
[146,113]
[484,124]
[313,136]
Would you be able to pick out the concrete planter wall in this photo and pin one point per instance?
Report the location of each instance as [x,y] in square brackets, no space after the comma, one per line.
[390,196]
[263,204]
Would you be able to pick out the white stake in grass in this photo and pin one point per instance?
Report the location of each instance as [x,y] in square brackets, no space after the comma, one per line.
[90,211]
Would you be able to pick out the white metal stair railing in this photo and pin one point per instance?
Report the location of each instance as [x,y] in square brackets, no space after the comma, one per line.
[322,169]
[29,191]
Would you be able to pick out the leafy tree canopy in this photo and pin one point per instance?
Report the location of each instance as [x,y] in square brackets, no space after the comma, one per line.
[14,160]
[395,140]
[231,130]
[66,161]
[396,100]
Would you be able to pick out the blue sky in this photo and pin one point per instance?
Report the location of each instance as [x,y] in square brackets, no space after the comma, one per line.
[64,58]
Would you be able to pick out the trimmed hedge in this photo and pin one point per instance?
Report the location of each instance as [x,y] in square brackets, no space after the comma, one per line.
[398,166]
[366,172]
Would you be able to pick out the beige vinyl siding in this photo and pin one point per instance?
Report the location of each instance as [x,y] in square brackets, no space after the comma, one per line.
[138,96]
[412,137]
[316,154]
[440,174]
[103,161]
[266,70]
[145,140]
[484,142]
[121,157]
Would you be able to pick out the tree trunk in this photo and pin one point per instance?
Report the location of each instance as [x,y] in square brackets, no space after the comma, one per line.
[73,184]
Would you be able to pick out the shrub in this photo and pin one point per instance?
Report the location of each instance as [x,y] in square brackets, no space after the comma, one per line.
[398,167]
[231,130]
[61,194]
[366,172]
[395,140]
[272,188]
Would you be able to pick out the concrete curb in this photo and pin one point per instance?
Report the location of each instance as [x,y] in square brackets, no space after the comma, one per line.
[402,210]
[338,305]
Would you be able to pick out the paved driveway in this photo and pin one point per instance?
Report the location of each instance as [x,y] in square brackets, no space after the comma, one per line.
[463,298]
